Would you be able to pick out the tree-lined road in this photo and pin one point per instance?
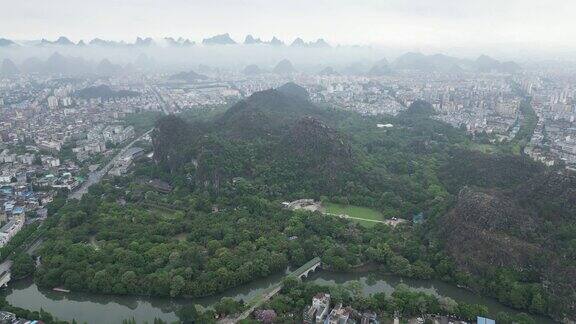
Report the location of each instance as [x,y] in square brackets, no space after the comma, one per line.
[97,176]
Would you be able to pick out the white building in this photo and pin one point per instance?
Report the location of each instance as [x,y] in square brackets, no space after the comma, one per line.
[8,231]
[52,102]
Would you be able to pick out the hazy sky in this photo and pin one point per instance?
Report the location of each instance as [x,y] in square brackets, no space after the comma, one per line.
[385,22]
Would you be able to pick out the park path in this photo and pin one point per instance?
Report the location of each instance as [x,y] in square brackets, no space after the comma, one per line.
[390,222]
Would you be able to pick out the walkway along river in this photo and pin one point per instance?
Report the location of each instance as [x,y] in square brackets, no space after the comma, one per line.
[91,308]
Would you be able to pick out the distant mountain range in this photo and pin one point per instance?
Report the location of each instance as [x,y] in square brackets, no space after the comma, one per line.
[63,41]
[419,62]
[445,63]
[222,39]
[68,65]
[180,42]
[320,43]
[61,65]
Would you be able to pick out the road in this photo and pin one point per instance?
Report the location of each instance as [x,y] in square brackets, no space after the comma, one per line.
[390,222]
[5,266]
[96,176]
[165,105]
[93,178]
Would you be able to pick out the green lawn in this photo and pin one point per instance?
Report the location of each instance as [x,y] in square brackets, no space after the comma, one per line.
[355,211]
[484,148]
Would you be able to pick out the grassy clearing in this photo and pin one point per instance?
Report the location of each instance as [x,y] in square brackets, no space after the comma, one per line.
[484,148]
[355,211]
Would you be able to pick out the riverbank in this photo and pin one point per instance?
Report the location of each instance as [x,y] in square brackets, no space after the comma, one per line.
[95,308]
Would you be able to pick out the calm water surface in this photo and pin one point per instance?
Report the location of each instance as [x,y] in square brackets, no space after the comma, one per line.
[91,308]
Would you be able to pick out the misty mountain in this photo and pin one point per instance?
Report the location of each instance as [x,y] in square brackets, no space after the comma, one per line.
[298,42]
[428,63]
[327,71]
[284,67]
[8,68]
[102,42]
[249,40]
[180,42]
[320,43]
[32,65]
[449,64]
[189,76]
[6,42]
[380,68]
[357,68]
[203,68]
[485,63]
[59,64]
[252,69]
[144,61]
[510,67]
[144,41]
[275,42]
[105,67]
[223,39]
[61,41]
[412,61]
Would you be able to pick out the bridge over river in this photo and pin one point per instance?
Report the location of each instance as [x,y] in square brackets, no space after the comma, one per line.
[267,294]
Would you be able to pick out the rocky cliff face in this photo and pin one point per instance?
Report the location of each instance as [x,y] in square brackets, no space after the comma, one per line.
[524,229]
[493,229]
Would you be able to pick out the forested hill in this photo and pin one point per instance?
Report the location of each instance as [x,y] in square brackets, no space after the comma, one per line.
[276,136]
[267,113]
[499,224]
[497,215]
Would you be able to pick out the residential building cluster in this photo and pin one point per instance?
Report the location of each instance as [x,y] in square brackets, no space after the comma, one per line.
[50,137]
[321,312]
[11,318]
[554,101]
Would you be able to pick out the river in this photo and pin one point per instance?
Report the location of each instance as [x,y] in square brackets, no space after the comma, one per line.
[90,308]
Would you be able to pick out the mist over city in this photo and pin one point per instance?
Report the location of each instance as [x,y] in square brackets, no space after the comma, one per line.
[251,161]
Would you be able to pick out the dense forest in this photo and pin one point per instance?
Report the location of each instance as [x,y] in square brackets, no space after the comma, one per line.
[222,224]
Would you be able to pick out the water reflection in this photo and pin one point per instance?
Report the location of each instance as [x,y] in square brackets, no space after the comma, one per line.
[95,308]
[375,283]
[92,308]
